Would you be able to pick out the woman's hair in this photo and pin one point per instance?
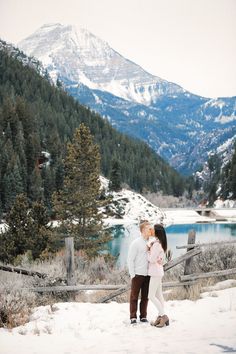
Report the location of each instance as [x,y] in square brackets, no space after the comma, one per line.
[161,235]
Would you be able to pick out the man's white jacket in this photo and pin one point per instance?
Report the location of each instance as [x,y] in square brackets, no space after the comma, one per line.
[137,257]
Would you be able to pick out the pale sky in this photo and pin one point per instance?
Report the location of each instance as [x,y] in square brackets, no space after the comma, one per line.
[188,42]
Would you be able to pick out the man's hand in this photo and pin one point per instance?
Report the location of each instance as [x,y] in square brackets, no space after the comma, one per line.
[149,247]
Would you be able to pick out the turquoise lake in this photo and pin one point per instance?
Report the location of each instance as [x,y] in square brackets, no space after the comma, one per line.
[177,235]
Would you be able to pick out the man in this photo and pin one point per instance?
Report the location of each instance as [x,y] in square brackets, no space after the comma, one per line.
[138,270]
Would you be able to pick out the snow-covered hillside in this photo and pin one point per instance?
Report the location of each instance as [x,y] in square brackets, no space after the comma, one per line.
[23,58]
[207,325]
[128,207]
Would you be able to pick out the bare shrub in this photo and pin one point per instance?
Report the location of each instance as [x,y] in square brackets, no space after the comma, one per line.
[215,258]
[16,306]
[169,201]
[211,259]
[96,271]
[99,271]
[174,273]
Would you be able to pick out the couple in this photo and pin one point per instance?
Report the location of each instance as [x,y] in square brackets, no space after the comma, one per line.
[145,262]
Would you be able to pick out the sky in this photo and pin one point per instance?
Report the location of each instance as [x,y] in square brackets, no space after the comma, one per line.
[189,42]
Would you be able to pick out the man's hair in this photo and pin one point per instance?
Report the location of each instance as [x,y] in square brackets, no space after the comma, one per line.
[143,224]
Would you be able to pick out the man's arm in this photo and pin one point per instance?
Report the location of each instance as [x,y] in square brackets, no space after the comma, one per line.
[131,258]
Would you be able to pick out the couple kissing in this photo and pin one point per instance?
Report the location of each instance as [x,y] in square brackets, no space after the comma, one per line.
[146,257]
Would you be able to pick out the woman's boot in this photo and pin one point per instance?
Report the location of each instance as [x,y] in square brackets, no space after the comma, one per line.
[154,323]
[164,321]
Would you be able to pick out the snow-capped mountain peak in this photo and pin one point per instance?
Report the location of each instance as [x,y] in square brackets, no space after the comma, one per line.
[81,57]
[134,101]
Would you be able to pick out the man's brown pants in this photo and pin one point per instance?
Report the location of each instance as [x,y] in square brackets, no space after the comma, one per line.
[139,282]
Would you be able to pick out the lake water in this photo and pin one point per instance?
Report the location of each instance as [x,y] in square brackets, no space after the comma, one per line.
[177,235]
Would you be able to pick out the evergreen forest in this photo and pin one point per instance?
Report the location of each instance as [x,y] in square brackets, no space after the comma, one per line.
[38,119]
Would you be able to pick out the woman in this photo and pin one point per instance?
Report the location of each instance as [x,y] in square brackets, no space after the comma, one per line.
[156,257]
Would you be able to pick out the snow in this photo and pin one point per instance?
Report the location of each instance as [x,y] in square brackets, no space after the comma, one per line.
[3,227]
[185,216]
[227,145]
[83,57]
[222,285]
[227,213]
[97,99]
[222,204]
[225,119]
[130,207]
[206,325]
[215,102]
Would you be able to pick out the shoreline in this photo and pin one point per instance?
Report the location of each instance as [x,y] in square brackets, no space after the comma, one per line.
[181,216]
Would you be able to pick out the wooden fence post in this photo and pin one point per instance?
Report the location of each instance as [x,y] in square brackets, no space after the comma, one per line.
[70,262]
[189,262]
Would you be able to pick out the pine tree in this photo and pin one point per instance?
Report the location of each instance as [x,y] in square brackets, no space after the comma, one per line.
[77,203]
[12,181]
[15,240]
[48,176]
[115,176]
[28,230]
[59,175]
[35,191]
[43,239]
[233,175]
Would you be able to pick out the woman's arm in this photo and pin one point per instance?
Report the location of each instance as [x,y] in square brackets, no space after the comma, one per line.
[155,253]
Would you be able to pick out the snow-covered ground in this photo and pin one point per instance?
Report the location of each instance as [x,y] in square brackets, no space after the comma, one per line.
[3,227]
[207,325]
[228,203]
[229,214]
[185,216]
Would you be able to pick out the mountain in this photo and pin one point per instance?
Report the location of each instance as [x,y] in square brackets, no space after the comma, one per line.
[182,127]
[37,119]
[218,176]
[79,56]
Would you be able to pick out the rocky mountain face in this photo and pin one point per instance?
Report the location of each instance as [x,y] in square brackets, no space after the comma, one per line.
[182,127]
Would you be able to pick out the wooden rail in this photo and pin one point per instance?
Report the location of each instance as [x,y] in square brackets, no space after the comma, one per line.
[181,259]
[23,271]
[70,288]
[217,273]
[219,243]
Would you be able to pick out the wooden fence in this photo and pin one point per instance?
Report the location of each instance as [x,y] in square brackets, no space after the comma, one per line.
[186,280]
